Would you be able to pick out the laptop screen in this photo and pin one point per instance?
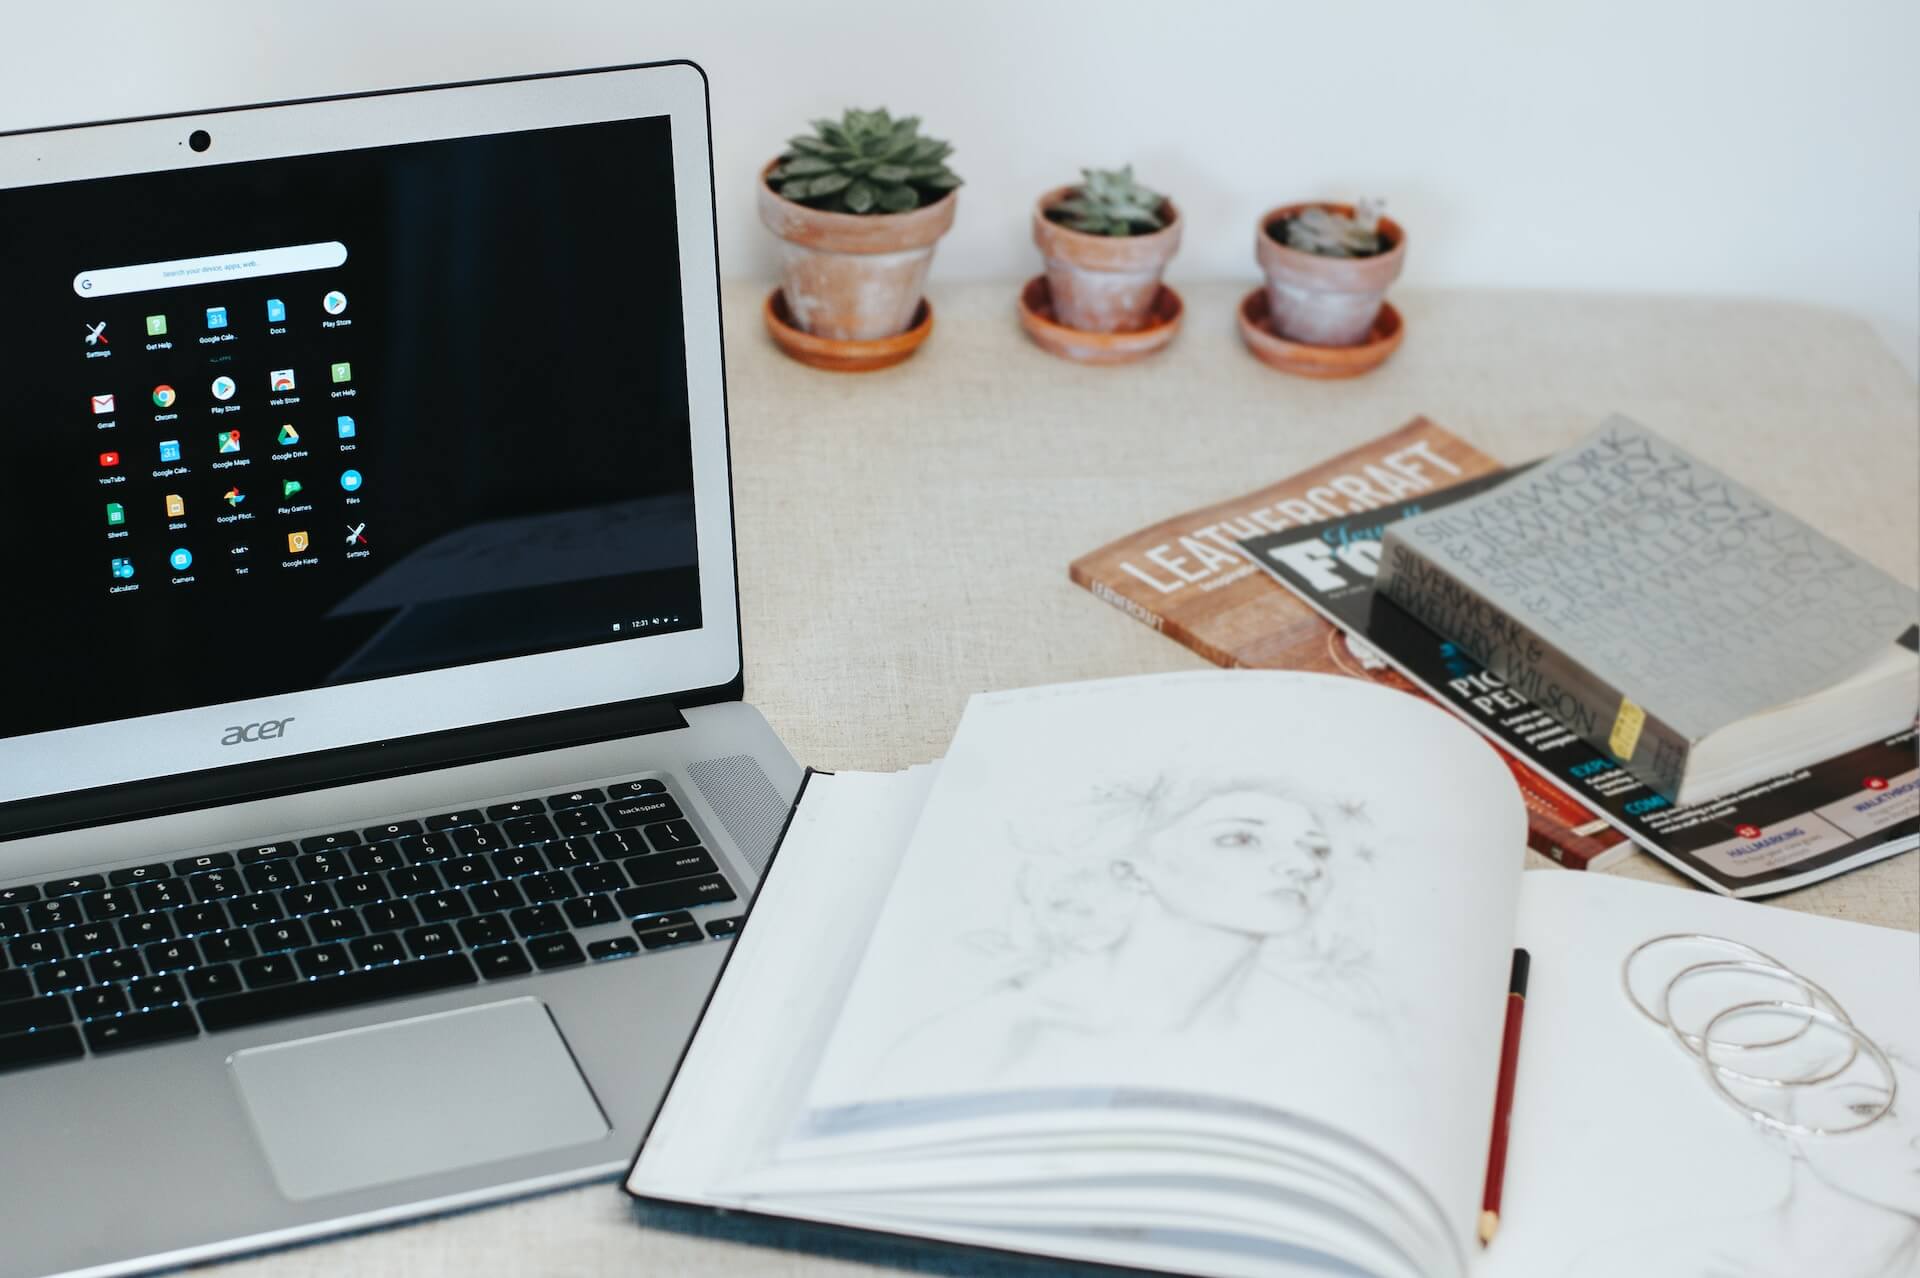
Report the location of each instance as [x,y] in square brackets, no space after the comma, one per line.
[302,422]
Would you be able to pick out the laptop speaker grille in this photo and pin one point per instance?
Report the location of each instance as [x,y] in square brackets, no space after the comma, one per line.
[747,804]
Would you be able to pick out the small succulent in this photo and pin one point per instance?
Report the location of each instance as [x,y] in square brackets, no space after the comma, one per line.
[1330,234]
[1110,202]
[865,162]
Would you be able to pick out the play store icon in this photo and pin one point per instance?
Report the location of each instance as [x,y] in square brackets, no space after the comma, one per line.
[288,435]
[288,487]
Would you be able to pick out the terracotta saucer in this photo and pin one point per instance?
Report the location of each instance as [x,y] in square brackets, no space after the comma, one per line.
[1256,328]
[843,357]
[1036,316]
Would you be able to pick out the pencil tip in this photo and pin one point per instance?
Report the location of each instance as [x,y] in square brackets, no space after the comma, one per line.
[1489,1226]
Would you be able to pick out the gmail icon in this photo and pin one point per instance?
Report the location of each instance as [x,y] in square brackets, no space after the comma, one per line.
[102,405]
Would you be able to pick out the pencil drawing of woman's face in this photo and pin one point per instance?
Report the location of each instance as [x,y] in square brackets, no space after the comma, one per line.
[1243,860]
[1880,1162]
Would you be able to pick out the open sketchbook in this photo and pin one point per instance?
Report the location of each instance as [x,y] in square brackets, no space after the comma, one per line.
[1206,973]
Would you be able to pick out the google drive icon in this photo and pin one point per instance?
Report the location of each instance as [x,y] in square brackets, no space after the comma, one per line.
[288,435]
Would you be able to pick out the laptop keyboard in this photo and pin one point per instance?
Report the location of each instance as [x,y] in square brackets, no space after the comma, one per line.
[152,953]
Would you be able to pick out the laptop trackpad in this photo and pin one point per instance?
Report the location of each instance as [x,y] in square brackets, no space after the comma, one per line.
[411,1098]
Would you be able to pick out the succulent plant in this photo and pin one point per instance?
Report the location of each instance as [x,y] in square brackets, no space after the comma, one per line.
[1110,202]
[1329,234]
[865,162]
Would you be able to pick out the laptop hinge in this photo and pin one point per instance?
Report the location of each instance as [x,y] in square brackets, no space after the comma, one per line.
[325,769]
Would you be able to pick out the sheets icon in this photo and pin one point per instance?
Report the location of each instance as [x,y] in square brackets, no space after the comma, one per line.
[102,405]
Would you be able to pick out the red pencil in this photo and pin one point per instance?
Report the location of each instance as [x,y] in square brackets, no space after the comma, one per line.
[1503,1097]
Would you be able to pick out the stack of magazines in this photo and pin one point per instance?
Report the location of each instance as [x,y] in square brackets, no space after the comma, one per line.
[1787,822]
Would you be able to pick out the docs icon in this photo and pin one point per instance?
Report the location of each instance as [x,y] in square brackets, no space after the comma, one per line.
[276,311]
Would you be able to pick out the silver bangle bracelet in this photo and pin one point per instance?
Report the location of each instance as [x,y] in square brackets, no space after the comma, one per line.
[1697,938]
[1817,1014]
[1696,1043]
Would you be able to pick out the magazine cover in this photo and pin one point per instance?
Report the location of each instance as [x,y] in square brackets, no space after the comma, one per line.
[1784,833]
[1186,577]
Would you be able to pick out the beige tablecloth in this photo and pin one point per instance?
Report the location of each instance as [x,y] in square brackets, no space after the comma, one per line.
[904,537]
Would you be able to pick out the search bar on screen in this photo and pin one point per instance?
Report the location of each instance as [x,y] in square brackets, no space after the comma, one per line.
[182,272]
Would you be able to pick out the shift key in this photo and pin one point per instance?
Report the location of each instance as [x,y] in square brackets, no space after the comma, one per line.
[636,902]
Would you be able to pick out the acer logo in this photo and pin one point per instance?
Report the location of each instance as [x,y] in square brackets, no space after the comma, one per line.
[265,730]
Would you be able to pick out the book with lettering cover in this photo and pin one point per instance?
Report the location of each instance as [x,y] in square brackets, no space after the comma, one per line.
[1665,614]
[1781,833]
[1186,577]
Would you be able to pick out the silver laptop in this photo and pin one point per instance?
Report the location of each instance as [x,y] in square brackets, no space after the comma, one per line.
[377,795]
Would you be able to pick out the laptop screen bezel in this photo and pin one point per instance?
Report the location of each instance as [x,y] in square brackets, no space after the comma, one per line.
[685,667]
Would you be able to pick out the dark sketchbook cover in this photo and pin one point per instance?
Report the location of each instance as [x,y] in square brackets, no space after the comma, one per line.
[1783,833]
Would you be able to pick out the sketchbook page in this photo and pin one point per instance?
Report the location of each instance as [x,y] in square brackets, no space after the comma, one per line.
[1624,1160]
[742,1079]
[1289,890]
[1273,1201]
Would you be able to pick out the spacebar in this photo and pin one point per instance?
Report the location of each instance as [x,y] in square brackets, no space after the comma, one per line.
[370,986]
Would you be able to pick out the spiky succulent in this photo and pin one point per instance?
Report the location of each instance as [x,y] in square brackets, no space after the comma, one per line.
[1330,234]
[1110,202]
[865,162]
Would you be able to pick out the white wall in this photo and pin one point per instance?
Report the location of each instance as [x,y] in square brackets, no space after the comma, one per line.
[1756,147]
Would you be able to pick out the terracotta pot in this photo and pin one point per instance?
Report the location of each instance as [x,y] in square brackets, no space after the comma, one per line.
[1103,283]
[853,277]
[1325,301]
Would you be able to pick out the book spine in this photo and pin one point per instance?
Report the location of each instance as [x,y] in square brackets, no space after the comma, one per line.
[1549,831]
[1546,675]
[1148,617]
